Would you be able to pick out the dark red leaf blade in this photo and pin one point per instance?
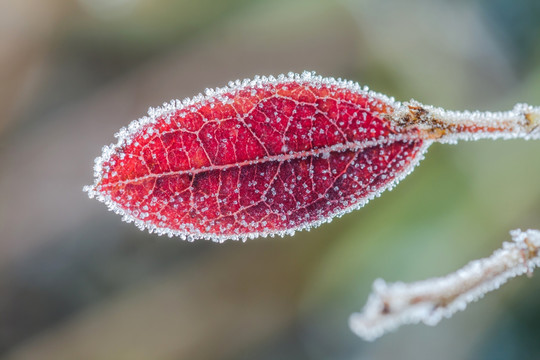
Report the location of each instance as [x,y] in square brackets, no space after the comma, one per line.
[263,157]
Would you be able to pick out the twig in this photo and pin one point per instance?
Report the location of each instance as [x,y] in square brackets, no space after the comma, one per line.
[392,305]
[445,126]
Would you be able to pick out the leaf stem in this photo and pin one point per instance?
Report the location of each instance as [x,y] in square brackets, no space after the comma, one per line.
[444,126]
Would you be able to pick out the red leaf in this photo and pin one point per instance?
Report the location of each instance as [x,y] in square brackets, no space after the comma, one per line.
[262,157]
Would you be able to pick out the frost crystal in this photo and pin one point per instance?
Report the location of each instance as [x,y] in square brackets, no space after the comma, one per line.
[428,301]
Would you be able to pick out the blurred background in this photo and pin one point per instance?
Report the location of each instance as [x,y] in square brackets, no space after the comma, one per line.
[77,283]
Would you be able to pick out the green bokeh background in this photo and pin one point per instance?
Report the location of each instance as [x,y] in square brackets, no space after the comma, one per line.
[77,283]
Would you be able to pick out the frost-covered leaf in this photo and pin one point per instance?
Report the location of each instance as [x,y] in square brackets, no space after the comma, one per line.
[262,157]
[274,155]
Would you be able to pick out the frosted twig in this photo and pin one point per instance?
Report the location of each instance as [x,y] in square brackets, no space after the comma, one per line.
[392,305]
[445,126]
